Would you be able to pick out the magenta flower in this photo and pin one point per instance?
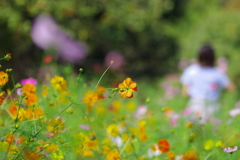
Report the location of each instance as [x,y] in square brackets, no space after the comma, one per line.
[29,81]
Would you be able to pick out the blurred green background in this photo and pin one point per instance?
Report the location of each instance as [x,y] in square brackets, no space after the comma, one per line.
[150,37]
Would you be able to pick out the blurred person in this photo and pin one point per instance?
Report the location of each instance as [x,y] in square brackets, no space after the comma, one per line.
[203,82]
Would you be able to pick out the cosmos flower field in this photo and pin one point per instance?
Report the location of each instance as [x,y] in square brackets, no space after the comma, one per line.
[68,118]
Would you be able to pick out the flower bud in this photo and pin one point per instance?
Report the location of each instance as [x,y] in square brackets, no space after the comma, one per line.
[7,57]
[9,70]
[18,85]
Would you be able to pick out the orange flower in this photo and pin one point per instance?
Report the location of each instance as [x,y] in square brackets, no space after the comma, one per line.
[90,97]
[163,145]
[127,87]
[10,138]
[171,155]
[3,78]
[191,155]
[34,113]
[93,96]
[30,155]
[13,109]
[29,89]
[31,99]
[2,97]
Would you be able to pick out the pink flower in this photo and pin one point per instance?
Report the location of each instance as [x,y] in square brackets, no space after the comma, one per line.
[230,149]
[234,112]
[50,135]
[140,111]
[19,91]
[187,111]
[173,122]
[29,81]
[85,127]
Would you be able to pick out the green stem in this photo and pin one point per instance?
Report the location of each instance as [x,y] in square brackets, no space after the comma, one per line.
[52,120]
[102,76]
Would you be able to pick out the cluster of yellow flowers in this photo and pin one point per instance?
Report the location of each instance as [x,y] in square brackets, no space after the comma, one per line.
[60,85]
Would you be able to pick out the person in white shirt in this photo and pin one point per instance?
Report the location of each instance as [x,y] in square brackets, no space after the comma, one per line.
[203,83]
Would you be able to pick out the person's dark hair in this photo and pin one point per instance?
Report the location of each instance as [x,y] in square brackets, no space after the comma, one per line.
[206,56]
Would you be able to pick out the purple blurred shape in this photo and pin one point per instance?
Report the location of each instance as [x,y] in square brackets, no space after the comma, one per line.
[116,57]
[72,51]
[46,34]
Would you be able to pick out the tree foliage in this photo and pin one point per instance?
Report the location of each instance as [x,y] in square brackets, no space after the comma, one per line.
[134,28]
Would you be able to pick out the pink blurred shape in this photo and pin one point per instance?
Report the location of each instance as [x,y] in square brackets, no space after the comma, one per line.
[115,56]
[140,111]
[29,81]
[85,127]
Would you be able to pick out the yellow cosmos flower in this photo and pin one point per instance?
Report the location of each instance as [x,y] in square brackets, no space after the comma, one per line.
[127,87]
[88,153]
[106,149]
[59,83]
[113,130]
[3,145]
[143,137]
[55,125]
[48,147]
[209,144]
[189,124]
[219,144]
[129,149]
[113,155]
[115,107]
[171,155]
[13,152]
[63,96]
[3,78]
[58,155]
